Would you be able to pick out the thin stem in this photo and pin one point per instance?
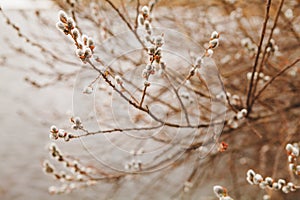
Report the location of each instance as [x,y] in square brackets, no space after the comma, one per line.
[137,13]
[123,88]
[291,27]
[191,73]
[179,99]
[264,58]
[33,43]
[273,78]
[143,95]
[127,23]
[145,109]
[257,56]
[74,15]
[118,130]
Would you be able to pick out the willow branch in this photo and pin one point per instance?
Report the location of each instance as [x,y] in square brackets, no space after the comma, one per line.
[257,56]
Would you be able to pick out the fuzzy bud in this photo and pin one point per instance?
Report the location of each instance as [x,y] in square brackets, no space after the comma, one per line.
[146,83]
[148,27]
[281,182]
[214,35]
[292,167]
[292,150]
[151,50]
[70,23]
[52,190]
[213,43]
[88,90]
[141,20]
[80,53]
[48,168]
[148,38]
[198,62]
[87,53]
[159,41]
[145,10]
[262,185]
[250,180]
[285,189]
[62,16]
[276,186]
[219,191]
[84,39]
[241,114]
[53,129]
[91,43]
[77,120]
[75,33]
[257,179]
[67,137]
[119,80]
[269,181]
[60,26]
[209,53]
[53,133]
[266,78]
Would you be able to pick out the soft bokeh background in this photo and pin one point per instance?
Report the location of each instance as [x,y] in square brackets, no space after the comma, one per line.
[27,112]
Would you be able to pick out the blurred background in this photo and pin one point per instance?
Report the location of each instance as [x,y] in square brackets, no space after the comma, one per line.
[40,81]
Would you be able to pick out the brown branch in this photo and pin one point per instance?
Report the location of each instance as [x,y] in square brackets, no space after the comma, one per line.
[143,95]
[179,99]
[137,13]
[127,23]
[117,130]
[263,60]
[257,56]
[291,27]
[145,109]
[273,78]
[31,42]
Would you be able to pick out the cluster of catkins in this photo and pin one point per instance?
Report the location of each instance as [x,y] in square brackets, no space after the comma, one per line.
[213,43]
[264,183]
[235,100]
[249,46]
[260,75]
[56,133]
[293,154]
[154,49]
[85,45]
[77,176]
[237,118]
[145,21]
[134,164]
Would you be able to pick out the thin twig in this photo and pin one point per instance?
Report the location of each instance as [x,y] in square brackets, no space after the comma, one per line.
[264,58]
[137,13]
[143,95]
[145,109]
[257,56]
[118,130]
[179,99]
[291,27]
[127,23]
[33,43]
[273,78]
